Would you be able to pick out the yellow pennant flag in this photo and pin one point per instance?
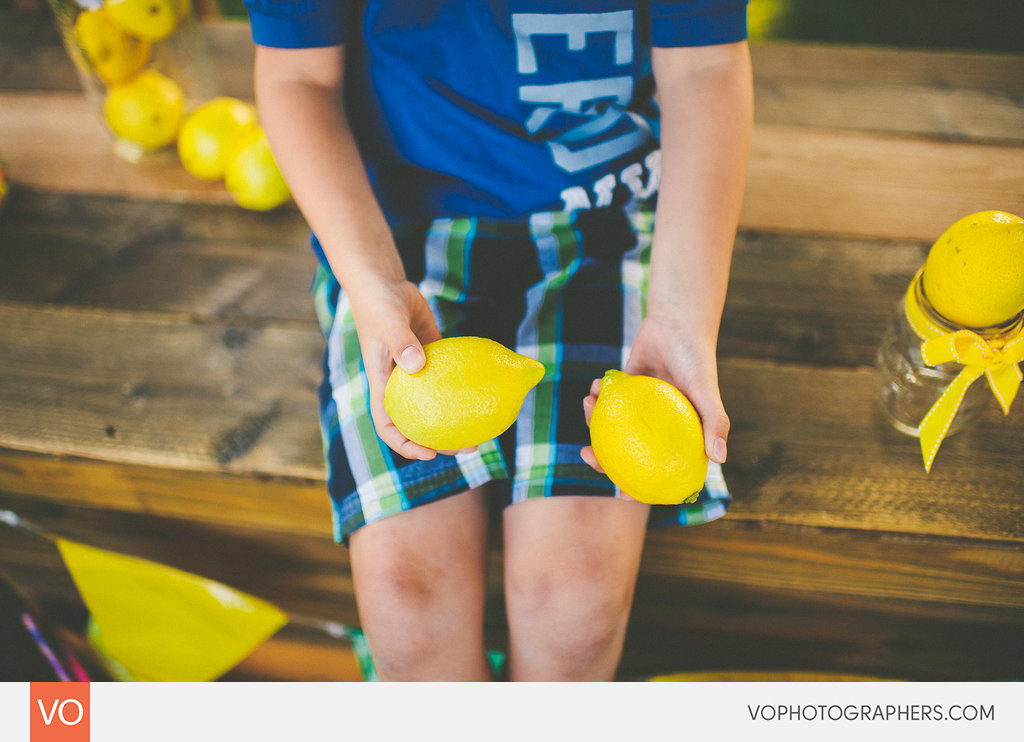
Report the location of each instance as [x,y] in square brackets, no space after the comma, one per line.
[152,622]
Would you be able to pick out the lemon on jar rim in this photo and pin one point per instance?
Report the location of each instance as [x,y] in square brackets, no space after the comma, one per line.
[648,438]
[974,273]
[469,391]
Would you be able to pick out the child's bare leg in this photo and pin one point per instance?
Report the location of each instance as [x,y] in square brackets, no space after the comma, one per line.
[420,578]
[570,570]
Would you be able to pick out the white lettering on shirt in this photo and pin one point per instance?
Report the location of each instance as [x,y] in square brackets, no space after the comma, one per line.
[600,101]
[631,176]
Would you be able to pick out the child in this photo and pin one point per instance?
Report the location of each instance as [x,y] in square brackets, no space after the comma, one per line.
[491,168]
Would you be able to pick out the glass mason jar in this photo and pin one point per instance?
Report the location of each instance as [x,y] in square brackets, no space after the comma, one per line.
[142,63]
[908,387]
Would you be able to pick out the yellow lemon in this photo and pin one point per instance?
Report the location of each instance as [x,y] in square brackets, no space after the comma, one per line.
[251,174]
[210,133]
[147,110]
[648,438]
[3,181]
[114,55]
[974,274]
[469,391]
[151,20]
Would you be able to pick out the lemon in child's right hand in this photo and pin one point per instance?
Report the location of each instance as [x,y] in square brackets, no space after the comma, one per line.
[152,20]
[469,391]
[210,134]
[648,438]
[146,111]
[114,55]
[974,274]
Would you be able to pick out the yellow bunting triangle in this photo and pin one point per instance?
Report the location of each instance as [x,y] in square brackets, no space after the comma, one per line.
[157,623]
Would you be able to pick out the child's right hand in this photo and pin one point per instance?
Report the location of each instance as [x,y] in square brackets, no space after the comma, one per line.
[393,322]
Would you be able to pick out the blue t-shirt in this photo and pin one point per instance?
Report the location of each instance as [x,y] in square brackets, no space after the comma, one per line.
[500,108]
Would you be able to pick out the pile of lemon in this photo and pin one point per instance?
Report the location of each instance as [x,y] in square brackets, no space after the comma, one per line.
[220,139]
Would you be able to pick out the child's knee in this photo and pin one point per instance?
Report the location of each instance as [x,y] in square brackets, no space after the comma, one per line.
[408,618]
[578,612]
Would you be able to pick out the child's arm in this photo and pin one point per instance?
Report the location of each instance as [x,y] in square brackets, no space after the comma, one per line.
[706,100]
[299,97]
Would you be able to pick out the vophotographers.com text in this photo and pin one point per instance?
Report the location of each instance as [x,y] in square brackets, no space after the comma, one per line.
[869,712]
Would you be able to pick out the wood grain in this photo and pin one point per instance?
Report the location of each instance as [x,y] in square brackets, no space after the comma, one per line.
[808,446]
[819,181]
[728,596]
[804,298]
[159,391]
[800,180]
[698,625]
[925,93]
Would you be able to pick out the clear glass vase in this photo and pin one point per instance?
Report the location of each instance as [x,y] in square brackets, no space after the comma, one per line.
[908,387]
[142,63]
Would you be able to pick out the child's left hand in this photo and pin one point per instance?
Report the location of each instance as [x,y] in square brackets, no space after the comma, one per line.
[661,350]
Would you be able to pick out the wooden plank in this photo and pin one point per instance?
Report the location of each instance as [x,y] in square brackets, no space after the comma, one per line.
[31,54]
[932,94]
[719,597]
[842,562]
[284,505]
[800,298]
[808,446]
[811,447]
[694,625]
[164,393]
[813,299]
[56,141]
[801,180]
[741,550]
[307,659]
[821,62]
[200,261]
[816,181]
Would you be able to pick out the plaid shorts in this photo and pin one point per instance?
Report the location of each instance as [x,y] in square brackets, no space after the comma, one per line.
[566,288]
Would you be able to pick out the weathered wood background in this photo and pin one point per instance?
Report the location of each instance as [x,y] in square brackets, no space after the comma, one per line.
[159,357]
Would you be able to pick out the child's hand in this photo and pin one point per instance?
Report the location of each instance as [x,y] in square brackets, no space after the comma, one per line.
[588,409]
[658,351]
[393,322]
[666,350]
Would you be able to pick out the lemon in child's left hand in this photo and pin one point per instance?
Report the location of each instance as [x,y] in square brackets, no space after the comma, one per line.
[210,134]
[648,438]
[146,111]
[251,175]
[114,54]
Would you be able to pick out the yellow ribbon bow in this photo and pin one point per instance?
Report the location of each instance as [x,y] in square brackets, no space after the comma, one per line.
[995,355]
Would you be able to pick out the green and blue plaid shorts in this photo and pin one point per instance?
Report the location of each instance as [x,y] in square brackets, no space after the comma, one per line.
[566,288]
